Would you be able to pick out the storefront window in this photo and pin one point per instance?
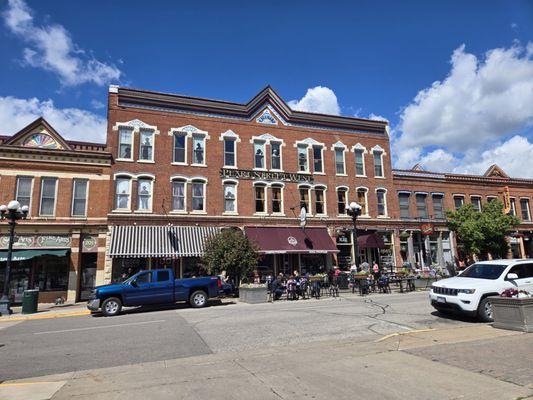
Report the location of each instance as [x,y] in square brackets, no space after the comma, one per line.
[313,263]
[51,273]
[192,267]
[123,268]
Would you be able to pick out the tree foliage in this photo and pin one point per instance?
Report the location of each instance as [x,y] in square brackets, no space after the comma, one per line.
[483,232]
[230,251]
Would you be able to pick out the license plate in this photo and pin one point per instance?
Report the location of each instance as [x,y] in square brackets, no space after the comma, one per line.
[441,299]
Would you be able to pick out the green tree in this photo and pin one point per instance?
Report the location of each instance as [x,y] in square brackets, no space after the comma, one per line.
[483,232]
[230,251]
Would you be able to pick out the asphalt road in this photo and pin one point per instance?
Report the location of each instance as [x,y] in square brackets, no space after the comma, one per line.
[49,346]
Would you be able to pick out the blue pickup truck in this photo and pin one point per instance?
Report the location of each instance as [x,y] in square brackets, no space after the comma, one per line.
[156,286]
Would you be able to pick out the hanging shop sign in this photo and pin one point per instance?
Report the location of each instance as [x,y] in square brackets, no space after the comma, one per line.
[265,175]
[344,238]
[40,241]
[427,229]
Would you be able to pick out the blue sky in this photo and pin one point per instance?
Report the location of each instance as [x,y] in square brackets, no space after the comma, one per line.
[374,57]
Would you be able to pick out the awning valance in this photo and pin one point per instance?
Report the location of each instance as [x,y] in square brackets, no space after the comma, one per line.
[371,241]
[159,241]
[279,240]
[21,255]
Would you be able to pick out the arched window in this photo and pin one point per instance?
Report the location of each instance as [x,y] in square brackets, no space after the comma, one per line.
[179,195]
[362,199]
[277,198]
[260,198]
[304,192]
[123,192]
[342,199]
[230,196]
[320,200]
[198,195]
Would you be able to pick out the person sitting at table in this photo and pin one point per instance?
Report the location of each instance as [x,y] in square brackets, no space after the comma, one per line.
[277,287]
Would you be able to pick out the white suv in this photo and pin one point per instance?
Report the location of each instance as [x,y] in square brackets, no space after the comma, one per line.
[469,292]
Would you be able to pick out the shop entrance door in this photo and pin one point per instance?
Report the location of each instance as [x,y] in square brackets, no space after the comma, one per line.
[87,275]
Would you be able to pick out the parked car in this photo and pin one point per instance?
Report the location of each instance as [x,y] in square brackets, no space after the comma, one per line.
[153,287]
[469,292]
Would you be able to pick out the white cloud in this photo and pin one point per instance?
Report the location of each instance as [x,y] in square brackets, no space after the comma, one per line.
[319,99]
[481,103]
[97,104]
[71,123]
[51,48]
[376,117]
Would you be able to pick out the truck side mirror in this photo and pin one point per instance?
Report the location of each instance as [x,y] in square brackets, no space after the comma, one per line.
[512,277]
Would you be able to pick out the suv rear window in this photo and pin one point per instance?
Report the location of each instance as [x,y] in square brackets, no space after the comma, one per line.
[483,271]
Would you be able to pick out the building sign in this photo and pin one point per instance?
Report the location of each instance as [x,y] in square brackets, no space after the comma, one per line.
[292,241]
[265,175]
[41,241]
[427,229]
[89,244]
[344,238]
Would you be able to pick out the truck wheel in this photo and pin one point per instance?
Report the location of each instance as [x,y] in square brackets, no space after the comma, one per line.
[198,299]
[111,306]
[484,311]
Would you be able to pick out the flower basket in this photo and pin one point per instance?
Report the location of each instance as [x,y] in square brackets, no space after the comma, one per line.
[513,313]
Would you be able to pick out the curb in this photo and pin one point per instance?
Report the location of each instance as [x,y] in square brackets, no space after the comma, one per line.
[46,316]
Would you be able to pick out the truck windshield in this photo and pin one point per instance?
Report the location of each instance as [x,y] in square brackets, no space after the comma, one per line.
[483,271]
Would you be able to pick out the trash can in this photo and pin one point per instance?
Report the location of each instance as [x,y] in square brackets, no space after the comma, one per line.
[30,298]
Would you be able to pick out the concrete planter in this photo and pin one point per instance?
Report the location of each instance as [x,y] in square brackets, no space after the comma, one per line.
[423,283]
[514,314]
[253,295]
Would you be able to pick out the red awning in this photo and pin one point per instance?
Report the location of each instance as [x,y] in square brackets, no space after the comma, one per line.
[279,240]
[371,240]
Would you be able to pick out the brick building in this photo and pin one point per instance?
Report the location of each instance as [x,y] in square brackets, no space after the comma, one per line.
[60,249]
[185,167]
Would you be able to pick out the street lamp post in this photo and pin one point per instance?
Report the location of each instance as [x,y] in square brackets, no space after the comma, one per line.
[354,210]
[12,212]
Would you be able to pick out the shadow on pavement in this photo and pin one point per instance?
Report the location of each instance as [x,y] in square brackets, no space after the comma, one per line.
[456,317]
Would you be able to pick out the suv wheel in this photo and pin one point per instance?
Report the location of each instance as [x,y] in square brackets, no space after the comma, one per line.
[111,306]
[484,311]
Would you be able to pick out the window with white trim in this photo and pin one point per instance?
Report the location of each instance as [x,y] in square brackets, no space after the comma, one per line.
[339,161]
[48,196]
[303,155]
[476,202]
[304,198]
[259,155]
[24,188]
[260,198]
[229,152]
[198,145]
[125,145]
[513,206]
[381,202]
[275,155]
[438,206]
[524,207]
[122,193]
[79,197]
[362,194]
[458,201]
[359,162]
[179,190]
[320,200]
[277,199]
[144,194]
[318,162]
[146,147]
[230,197]
[405,208]
[198,196]
[421,205]
[378,163]
[342,200]
[180,147]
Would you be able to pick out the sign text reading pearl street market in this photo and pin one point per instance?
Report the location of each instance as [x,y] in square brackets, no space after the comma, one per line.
[265,175]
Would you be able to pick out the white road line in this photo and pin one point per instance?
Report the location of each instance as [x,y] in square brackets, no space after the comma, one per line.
[100,327]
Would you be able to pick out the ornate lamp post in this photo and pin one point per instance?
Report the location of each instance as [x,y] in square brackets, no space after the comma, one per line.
[354,210]
[12,212]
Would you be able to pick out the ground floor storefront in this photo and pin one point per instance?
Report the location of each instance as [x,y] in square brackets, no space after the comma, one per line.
[63,264]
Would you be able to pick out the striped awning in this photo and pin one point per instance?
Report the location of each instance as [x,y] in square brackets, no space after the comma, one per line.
[159,241]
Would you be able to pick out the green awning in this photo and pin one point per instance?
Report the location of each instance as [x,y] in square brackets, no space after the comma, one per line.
[21,255]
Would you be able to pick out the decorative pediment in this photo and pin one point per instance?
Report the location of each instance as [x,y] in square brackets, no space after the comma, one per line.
[230,134]
[359,147]
[310,142]
[377,149]
[495,171]
[418,167]
[39,134]
[136,125]
[338,145]
[268,136]
[267,118]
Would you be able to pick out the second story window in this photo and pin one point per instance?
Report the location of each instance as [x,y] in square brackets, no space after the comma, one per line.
[198,144]
[421,205]
[277,200]
[382,202]
[125,145]
[438,206]
[378,164]
[342,200]
[524,207]
[275,156]
[79,197]
[458,201]
[259,155]
[178,195]
[359,162]
[146,148]
[180,149]
[513,207]
[317,159]
[304,199]
[339,161]
[303,162]
[476,202]
[405,209]
[362,199]
[144,195]
[230,197]
[198,196]
[24,188]
[48,196]
[122,193]
[260,198]
[320,201]
[229,153]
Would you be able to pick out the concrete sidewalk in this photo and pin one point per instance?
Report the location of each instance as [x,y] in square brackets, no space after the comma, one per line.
[48,310]
[373,368]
